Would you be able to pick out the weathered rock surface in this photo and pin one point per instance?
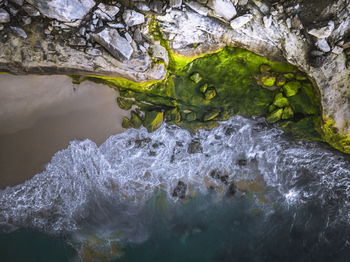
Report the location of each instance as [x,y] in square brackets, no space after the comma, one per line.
[118,46]
[63,10]
[4,16]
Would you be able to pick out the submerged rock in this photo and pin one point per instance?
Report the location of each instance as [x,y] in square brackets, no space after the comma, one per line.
[180,190]
[117,45]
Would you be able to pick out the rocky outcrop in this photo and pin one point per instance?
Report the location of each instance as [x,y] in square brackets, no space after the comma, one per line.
[113,39]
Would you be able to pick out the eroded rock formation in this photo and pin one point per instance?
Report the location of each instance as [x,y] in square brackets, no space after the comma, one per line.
[112,38]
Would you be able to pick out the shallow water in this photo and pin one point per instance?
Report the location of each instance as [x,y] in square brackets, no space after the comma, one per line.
[241,192]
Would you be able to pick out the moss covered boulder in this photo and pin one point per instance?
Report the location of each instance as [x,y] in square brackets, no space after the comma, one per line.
[210,93]
[287,113]
[275,116]
[153,120]
[280,100]
[291,88]
[196,77]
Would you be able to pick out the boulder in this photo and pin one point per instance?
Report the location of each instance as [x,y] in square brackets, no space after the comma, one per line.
[196,77]
[153,120]
[280,100]
[175,3]
[287,113]
[291,88]
[275,116]
[132,18]
[240,21]
[30,10]
[160,52]
[210,93]
[323,45]
[323,32]
[223,8]
[106,12]
[117,45]
[4,16]
[63,10]
[198,8]
[18,31]
[211,115]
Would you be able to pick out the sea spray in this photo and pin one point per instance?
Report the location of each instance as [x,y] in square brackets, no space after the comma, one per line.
[98,195]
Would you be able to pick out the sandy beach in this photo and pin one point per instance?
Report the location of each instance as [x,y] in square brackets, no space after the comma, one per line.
[39,115]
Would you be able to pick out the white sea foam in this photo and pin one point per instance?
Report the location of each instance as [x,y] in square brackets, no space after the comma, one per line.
[128,168]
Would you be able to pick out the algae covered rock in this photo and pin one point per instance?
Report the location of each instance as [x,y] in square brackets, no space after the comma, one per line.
[289,76]
[275,116]
[264,68]
[191,116]
[153,120]
[268,79]
[280,100]
[173,115]
[196,77]
[126,123]
[136,119]
[291,88]
[124,103]
[211,115]
[203,88]
[287,113]
[210,93]
[281,80]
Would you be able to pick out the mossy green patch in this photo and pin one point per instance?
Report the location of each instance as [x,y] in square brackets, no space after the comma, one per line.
[275,116]
[217,86]
[280,100]
[153,120]
[291,88]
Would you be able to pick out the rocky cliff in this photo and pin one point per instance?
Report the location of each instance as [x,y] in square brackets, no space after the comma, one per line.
[114,38]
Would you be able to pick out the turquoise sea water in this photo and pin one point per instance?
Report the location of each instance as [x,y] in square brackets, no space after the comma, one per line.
[244,191]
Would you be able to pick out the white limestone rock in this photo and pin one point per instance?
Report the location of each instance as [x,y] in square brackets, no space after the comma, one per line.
[223,8]
[240,21]
[118,46]
[160,52]
[198,8]
[132,18]
[323,45]
[18,31]
[267,21]
[106,12]
[175,3]
[337,50]
[322,32]
[4,16]
[63,10]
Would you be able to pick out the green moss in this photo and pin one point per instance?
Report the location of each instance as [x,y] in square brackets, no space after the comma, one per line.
[233,72]
[136,119]
[153,120]
[280,100]
[331,136]
[196,77]
[124,103]
[211,115]
[291,88]
[287,113]
[275,116]
[268,80]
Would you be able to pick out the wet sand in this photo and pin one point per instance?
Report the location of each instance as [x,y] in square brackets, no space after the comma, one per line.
[39,115]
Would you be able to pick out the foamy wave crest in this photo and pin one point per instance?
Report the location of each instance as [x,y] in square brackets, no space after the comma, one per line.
[128,168]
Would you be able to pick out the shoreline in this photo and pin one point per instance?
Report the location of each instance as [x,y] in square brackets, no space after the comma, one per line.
[40,115]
